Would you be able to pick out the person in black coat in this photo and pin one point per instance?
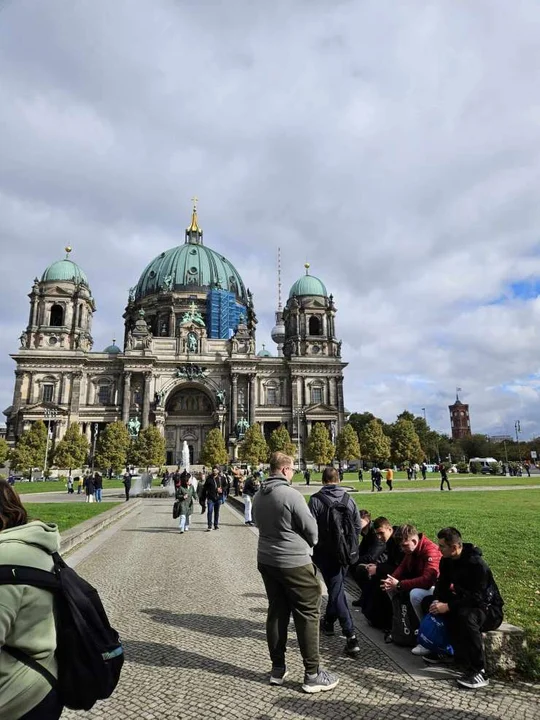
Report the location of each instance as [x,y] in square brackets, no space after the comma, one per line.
[467,596]
[369,551]
[89,488]
[212,492]
[98,486]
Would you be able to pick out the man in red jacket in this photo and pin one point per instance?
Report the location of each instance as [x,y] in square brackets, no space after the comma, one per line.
[419,569]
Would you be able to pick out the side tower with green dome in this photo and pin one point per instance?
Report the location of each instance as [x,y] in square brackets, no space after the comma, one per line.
[61,309]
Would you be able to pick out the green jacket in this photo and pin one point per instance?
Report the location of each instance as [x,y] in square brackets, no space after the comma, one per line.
[187,496]
[26,619]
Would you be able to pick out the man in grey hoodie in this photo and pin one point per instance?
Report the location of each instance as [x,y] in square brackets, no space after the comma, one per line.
[287,534]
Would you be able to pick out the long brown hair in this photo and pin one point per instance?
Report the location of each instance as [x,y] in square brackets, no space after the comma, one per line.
[12,512]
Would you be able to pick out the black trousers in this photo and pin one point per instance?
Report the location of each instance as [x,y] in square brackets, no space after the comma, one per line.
[297,591]
[445,480]
[50,708]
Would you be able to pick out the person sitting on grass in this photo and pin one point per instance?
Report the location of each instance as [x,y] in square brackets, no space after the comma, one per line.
[467,596]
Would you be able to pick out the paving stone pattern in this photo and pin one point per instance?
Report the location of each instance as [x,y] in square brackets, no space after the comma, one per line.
[191,610]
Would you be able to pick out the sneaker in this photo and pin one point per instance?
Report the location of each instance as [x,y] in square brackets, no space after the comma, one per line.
[327,628]
[388,638]
[181,532]
[420,650]
[209,529]
[473,680]
[351,646]
[434,659]
[321,682]
[216,527]
[278,675]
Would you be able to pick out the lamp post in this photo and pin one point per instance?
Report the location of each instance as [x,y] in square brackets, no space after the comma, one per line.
[300,415]
[49,415]
[96,428]
[424,411]
[517,426]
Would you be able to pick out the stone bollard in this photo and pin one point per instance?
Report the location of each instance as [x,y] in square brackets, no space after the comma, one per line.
[503,648]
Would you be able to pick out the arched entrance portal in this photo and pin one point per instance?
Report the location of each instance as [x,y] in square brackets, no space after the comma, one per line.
[190,416]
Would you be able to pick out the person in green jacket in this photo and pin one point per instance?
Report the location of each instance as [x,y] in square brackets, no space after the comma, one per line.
[186,494]
[26,615]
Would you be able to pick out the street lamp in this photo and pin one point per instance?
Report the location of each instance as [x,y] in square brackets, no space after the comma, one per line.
[424,411]
[300,415]
[49,415]
[96,428]
[517,426]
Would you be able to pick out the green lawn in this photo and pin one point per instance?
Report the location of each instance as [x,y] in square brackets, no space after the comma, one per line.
[504,524]
[66,515]
[23,488]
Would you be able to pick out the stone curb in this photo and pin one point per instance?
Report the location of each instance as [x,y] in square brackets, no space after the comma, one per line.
[72,538]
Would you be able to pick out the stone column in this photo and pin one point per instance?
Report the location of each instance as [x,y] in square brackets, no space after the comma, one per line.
[61,389]
[146,400]
[75,395]
[252,399]
[17,395]
[172,323]
[127,397]
[234,400]
[307,399]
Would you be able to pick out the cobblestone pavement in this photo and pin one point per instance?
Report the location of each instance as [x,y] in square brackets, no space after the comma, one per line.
[191,609]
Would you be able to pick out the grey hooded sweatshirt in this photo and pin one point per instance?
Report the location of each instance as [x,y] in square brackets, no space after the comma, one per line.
[287,530]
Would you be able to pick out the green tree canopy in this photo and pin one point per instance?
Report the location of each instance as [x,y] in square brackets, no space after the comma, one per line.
[360,420]
[374,444]
[112,447]
[72,451]
[214,451]
[476,446]
[4,451]
[30,450]
[405,443]
[319,447]
[148,448]
[253,448]
[347,445]
[280,441]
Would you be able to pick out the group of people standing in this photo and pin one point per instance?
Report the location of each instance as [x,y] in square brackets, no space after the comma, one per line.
[393,565]
[90,485]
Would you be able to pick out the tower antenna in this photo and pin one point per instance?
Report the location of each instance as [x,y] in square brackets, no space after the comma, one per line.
[279,277]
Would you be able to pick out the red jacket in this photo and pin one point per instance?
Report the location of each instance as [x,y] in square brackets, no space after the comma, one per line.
[419,569]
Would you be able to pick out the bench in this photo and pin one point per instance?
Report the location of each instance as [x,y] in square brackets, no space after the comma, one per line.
[503,648]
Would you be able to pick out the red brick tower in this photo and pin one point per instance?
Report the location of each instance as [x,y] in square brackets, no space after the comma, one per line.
[460,420]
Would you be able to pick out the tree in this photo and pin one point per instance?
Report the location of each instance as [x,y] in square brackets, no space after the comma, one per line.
[347,445]
[374,444]
[112,446]
[360,420]
[405,443]
[214,451]
[280,441]
[319,447]
[29,452]
[148,448]
[475,446]
[72,451]
[4,451]
[253,449]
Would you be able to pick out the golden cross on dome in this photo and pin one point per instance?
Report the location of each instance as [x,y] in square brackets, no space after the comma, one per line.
[194,227]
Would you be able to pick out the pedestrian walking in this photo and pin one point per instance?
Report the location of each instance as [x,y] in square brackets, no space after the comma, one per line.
[307,476]
[360,475]
[127,483]
[211,497]
[98,486]
[248,493]
[80,485]
[444,476]
[390,478]
[186,494]
[70,485]
[287,534]
[89,488]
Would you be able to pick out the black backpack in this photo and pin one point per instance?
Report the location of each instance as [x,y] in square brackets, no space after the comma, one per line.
[88,650]
[341,530]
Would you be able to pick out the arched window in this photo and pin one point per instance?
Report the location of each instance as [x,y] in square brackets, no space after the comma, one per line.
[272,396]
[316,395]
[57,316]
[315,325]
[104,394]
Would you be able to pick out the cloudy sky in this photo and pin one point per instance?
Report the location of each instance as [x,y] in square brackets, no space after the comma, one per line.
[394,145]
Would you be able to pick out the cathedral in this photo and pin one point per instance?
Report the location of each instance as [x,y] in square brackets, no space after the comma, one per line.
[188,362]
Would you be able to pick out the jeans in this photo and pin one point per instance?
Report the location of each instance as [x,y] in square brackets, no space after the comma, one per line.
[183,523]
[337,607]
[98,494]
[297,591]
[213,509]
[49,708]
[416,596]
[248,500]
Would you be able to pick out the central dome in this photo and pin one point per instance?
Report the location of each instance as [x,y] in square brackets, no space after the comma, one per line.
[191,266]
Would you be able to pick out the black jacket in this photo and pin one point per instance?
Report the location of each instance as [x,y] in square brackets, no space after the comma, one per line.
[250,487]
[467,581]
[320,512]
[211,487]
[371,548]
[391,556]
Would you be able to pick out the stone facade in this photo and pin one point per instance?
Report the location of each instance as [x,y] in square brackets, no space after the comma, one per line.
[170,371]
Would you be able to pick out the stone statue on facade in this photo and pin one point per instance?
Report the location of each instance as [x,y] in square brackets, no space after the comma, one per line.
[24,340]
[134,426]
[220,394]
[193,316]
[131,294]
[167,285]
[192,342]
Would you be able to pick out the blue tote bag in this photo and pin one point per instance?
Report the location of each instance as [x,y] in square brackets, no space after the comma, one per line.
[433,635]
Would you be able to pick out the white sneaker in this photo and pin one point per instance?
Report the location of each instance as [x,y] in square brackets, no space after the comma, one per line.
[420,650]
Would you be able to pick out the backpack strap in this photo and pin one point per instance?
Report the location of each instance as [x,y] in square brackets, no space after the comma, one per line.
[23,575]
[331,503]
[31,663]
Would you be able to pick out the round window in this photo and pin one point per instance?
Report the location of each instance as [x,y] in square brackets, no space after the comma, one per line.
[152,274]
[193,270]
[193,252]
[53,340]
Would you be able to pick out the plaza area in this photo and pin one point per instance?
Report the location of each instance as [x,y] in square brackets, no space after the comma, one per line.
[191,611]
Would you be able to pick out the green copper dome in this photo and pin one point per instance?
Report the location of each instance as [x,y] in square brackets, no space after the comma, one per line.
[64,271]
[112,349]
[308,285]
[264,352]
[190,267]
